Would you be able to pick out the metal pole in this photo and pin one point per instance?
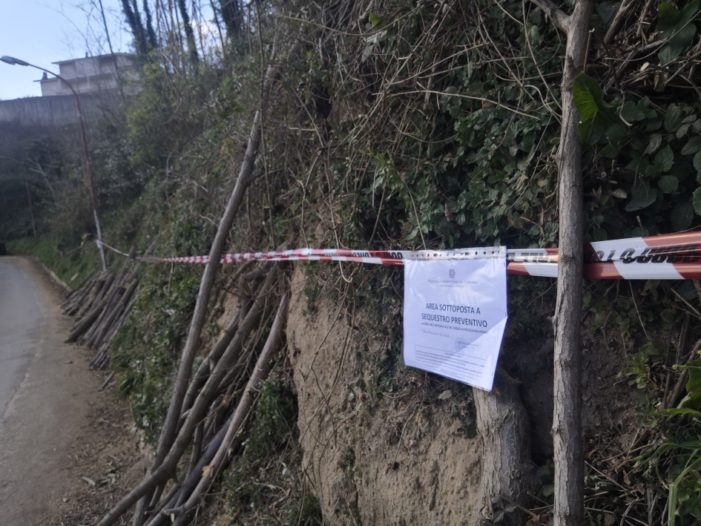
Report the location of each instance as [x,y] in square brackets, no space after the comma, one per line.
[87,160]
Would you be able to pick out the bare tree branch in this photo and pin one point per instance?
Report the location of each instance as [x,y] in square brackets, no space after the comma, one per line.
[557,15]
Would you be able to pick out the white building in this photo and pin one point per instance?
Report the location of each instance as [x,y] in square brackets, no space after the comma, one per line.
[92,75]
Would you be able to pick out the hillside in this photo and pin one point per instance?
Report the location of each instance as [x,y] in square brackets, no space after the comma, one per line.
[384,125]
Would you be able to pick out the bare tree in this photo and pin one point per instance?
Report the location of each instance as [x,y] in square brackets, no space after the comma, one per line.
[150,33]
[232,15]
[109,45]
[131,13]
[567,414]
[189,33]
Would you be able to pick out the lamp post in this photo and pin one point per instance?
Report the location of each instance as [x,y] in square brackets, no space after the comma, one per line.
[87,160]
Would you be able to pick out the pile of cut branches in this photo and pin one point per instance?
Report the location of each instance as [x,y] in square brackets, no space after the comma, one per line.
[210,406]
[217,404]
[100,307]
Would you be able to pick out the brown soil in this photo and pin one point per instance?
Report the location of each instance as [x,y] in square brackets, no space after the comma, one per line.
[106,459]
[397,455]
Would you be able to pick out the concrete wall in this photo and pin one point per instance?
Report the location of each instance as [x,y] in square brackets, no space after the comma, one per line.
[83,85]
[53,86]
[49,111]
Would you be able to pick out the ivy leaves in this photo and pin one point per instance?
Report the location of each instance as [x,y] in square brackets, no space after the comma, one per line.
[595,115]
[655,151]
[677,27]
[697,201]
[693,147]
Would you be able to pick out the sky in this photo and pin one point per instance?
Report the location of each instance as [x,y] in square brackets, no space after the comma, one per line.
[45,31]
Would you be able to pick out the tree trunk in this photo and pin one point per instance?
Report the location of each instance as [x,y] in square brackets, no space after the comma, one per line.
[189,34]
[131,13]
[506,465]
[232,14]
[567,414]
[117,70]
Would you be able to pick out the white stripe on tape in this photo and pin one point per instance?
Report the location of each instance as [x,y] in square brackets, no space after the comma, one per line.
[623,252]
[544,270]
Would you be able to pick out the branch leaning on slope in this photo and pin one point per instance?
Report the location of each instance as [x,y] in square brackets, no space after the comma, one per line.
[99,306]
[193,477]
[260,373]
[206,465]
[76,299]
[232,336]
[117,319]
[111,297]
[245,177]
[166,468]
[212,358]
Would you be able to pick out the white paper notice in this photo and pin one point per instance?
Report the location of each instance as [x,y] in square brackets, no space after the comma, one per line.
[455,316]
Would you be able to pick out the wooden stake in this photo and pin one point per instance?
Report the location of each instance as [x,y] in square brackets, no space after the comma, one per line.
[567,415]
[260,373]
[166,468]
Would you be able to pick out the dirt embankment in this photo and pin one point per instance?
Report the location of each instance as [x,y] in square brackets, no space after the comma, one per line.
[377,456]
[398,446]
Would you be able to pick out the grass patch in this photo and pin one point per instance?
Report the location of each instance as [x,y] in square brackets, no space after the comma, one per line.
[73,265]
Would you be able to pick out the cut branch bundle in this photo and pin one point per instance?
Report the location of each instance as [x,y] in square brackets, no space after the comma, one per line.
[201,405]
[217,406]
[224,439]
[100,308]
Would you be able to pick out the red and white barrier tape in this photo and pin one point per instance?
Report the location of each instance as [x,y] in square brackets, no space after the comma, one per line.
[673,256]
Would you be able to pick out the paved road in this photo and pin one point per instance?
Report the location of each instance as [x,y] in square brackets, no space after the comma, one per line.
[45,395]
[22,309]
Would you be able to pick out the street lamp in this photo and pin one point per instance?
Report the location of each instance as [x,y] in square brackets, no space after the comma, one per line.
[87,160]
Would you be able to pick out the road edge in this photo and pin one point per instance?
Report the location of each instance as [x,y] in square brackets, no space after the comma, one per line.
[54,277]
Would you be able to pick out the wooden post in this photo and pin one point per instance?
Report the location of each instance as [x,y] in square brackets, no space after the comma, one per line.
[567,415]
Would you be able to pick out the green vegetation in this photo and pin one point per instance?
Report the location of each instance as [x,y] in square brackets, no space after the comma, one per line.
[254,482]
[412,125]
[73,265]
[679,456]
[649,155]
[147,348]
[648,326]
